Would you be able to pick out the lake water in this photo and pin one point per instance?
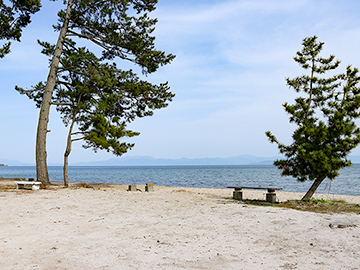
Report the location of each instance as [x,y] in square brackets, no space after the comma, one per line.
[196,176]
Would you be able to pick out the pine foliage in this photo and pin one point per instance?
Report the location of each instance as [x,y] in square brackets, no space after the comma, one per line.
[100,98]
[14,16]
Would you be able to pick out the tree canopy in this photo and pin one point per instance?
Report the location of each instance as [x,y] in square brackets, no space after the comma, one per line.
[325,116]
[14,16]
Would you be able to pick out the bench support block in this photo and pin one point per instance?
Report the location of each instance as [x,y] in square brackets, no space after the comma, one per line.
[238,195]
[35,185]
[271,197]
[149,187]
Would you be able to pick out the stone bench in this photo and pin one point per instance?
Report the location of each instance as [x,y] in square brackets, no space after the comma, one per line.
[270,196]
[34,184]
[148,188]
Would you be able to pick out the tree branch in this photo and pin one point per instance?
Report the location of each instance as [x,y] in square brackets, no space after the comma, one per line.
[60,103]
[78,132]
[99,44]
[78,139]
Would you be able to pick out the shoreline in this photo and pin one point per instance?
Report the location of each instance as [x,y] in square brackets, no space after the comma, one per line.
[281,196]
[200,176]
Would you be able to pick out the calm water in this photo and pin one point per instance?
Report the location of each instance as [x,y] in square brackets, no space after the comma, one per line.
[195,176]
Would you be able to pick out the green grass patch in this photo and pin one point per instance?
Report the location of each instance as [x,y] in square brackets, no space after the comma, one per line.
[322,206]
[311,205]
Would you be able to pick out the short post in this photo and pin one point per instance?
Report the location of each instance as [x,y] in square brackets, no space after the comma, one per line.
[20,186]
[132,188]
[149,187]
[237,194]
[271,196]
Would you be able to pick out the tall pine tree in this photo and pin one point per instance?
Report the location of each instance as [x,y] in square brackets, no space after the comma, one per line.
[325,116]
[120,28]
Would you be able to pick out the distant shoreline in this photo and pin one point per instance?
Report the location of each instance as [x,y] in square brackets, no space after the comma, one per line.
[149,165]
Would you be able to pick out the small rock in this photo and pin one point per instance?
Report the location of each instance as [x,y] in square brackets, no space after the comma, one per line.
[340,225]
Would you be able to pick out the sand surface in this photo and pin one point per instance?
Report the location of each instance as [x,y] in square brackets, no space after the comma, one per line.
[171,228]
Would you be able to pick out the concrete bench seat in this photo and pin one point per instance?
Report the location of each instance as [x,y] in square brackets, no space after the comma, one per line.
[270,196]
[34,184]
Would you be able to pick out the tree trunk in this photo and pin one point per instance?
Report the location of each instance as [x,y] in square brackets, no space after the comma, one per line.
[41,155]
[66,166]
[67,153]
[66,160]
[313,187]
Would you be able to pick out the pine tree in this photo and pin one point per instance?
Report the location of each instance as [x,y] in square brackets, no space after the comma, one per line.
[13,17]
[325,117]
[109,25]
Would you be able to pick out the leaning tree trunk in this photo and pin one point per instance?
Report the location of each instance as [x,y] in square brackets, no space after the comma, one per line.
[313,187]
[66,167]
[66,160]
[67,153]
[66,164]
[41,155]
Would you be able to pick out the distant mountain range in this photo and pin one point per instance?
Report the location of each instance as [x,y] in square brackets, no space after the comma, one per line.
[150,161]
[10,162]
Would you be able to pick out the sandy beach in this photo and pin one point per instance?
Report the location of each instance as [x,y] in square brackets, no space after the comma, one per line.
[108,227]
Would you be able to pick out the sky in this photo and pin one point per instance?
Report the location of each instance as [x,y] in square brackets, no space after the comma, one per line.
[232,58]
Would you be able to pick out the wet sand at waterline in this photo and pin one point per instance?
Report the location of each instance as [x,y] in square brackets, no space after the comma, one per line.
[108,227]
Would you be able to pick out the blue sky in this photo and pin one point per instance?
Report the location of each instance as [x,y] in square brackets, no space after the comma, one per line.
[228,77]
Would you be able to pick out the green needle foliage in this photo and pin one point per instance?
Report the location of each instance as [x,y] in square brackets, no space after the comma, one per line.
[109,25]
[14,16]
[325,116]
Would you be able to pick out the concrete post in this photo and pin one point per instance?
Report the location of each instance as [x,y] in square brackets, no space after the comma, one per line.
[238,195]
[132,188]
[271,197]
[149,187]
